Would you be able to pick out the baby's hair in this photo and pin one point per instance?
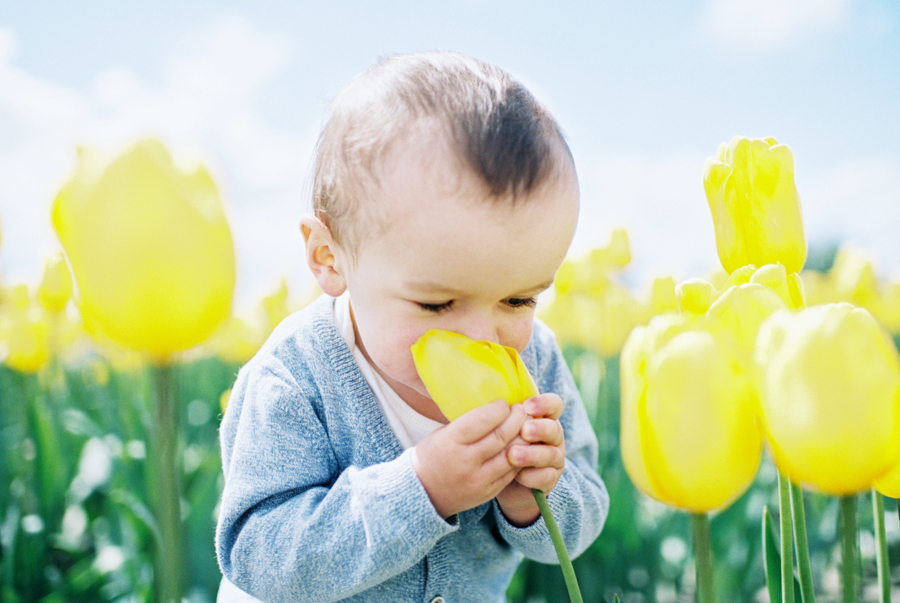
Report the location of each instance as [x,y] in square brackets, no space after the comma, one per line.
[494,124]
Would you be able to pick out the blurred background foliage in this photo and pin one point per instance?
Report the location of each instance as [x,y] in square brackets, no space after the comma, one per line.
[76,520]
[79,428]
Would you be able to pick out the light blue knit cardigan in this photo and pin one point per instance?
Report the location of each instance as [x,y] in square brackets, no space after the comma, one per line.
[322,504]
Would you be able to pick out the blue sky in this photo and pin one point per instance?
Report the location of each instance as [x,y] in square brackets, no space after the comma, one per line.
[644,90]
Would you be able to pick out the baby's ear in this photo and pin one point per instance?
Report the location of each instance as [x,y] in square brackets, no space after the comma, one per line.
[322,255]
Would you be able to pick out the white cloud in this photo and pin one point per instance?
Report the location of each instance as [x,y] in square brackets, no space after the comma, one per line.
[201,106]
[766,25]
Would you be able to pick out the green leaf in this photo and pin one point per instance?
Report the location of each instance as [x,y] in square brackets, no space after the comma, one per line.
[773,561]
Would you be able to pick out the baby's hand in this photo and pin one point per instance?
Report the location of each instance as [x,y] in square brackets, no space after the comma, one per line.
[465,463]
[540,452]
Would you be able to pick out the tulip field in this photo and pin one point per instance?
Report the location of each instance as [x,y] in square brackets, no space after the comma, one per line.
[739,414]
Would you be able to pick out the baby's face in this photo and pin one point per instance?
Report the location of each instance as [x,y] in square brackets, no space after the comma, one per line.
[449,258]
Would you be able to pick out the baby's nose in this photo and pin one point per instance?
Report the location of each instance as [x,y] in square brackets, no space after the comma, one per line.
[481,330]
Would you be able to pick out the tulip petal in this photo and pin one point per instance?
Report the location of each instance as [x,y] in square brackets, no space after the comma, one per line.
[461,374]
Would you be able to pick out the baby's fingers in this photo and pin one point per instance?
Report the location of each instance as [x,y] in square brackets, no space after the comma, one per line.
[479,422]
[537,455]
[544,405]
[545,431]
[539,478]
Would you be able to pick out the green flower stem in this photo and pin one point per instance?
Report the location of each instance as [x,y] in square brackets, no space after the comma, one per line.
[802,544]
[168,566]
[703,555]
[787,547]
[848,549]
[881,551]
[564,562]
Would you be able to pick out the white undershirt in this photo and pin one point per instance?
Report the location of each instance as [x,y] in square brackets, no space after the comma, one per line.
[408,425]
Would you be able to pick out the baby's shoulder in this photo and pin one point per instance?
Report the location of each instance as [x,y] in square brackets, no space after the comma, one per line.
[304,345]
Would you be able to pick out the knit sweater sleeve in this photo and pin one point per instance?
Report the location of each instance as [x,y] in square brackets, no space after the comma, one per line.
[580,502]
[295,526]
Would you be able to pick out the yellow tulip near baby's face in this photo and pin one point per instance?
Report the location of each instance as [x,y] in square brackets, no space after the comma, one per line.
[754,204]
[830,396]
[149,247]
[461,374]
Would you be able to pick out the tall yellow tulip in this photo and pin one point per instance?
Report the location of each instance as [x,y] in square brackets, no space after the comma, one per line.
[149,247]
[688,433]
[830,396]
[754,204]
[461,374]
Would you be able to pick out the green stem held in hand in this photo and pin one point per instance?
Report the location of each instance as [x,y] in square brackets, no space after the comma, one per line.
[881,551]
[787,547]
[799,516]
[169,566]
[703,556]
[849,560]
[564,562]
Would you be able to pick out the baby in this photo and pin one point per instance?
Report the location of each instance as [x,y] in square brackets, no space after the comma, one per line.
[445,198]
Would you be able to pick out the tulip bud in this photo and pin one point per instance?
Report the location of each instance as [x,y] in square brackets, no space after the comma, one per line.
[24,339]
[149,247]
[741,310]
[688,433]
[830,396]
[754,204]
[56,287]
[461,374]
[662,296]
[695,296]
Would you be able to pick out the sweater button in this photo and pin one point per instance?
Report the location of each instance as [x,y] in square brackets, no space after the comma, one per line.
[438,599]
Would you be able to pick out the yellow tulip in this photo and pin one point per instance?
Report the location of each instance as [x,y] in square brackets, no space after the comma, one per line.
[754,204]
[830,396]
[589,273]
[852,277]
[25,339]
[688,433]
[662,297]
[886,307]
[236,341]
[889,483]
[461,374]
[695,296]
[56,286]
[149,247]
[741,310]
[600,320]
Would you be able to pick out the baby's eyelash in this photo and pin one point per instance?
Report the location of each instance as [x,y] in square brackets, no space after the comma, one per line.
[521,302]
[436,307]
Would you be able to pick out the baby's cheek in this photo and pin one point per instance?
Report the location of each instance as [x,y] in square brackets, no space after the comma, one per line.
[401,354]
[518,335]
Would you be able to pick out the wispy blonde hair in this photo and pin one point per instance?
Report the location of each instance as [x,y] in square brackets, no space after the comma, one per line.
[494,124]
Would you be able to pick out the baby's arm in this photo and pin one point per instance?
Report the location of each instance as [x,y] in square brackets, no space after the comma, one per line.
[293,524]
